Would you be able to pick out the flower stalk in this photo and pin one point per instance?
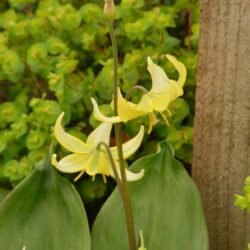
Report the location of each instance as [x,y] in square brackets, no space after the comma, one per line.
[134,88]
[118,134]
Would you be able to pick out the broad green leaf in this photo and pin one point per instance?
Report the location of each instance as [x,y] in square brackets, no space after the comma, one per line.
[166,206]
[3,193]
[16,171]
[43,212]
[37,155]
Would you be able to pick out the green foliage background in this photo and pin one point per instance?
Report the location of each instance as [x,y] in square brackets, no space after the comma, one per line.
[55,55]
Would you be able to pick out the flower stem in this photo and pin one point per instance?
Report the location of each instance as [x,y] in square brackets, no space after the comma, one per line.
[118,135]
[115,58]
[134,88]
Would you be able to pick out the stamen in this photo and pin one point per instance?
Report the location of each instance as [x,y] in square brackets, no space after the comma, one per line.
[152,122]
[104,178]
[79,176]
[164,118]
[169,112]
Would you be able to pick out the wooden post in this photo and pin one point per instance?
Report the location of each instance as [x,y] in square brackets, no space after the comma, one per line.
[221,157]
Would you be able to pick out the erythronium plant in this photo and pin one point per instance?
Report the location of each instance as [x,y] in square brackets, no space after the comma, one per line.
[161,203]
[95,156]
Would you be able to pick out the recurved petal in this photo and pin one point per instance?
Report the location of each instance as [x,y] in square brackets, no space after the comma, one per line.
[130,146]
[71,163]
[134,176]
[180,67]
[159,77]
[101,117]
[100,134]
[175,90]
[130,175]
[68,141]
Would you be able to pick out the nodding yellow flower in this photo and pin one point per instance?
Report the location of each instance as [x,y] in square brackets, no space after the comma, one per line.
[90,157]
[163,91]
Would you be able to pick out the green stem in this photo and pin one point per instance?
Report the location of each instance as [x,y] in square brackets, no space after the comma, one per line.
[115,58]
[118,135]
[126,199]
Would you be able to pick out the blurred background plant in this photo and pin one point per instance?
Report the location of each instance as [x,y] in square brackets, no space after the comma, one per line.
[55,55]
[243,201]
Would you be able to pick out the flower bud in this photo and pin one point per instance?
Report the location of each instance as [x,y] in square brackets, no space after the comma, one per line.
[109,9]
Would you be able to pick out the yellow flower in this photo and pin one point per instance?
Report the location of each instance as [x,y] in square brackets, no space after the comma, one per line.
[90,157]
[163,91]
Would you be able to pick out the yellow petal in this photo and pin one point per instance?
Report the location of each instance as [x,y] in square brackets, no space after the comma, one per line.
[68,141]
[101,117]
[97,164]
[93,163]
[100,134]
[71,163]
[159,77]
[180,67]
[134,176]
[104,166]
[130,175]
[145,105]
[175,90]
[130,146]
[160,102]
[128,110]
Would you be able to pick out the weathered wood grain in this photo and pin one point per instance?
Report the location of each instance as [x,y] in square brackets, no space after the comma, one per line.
[222,123]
